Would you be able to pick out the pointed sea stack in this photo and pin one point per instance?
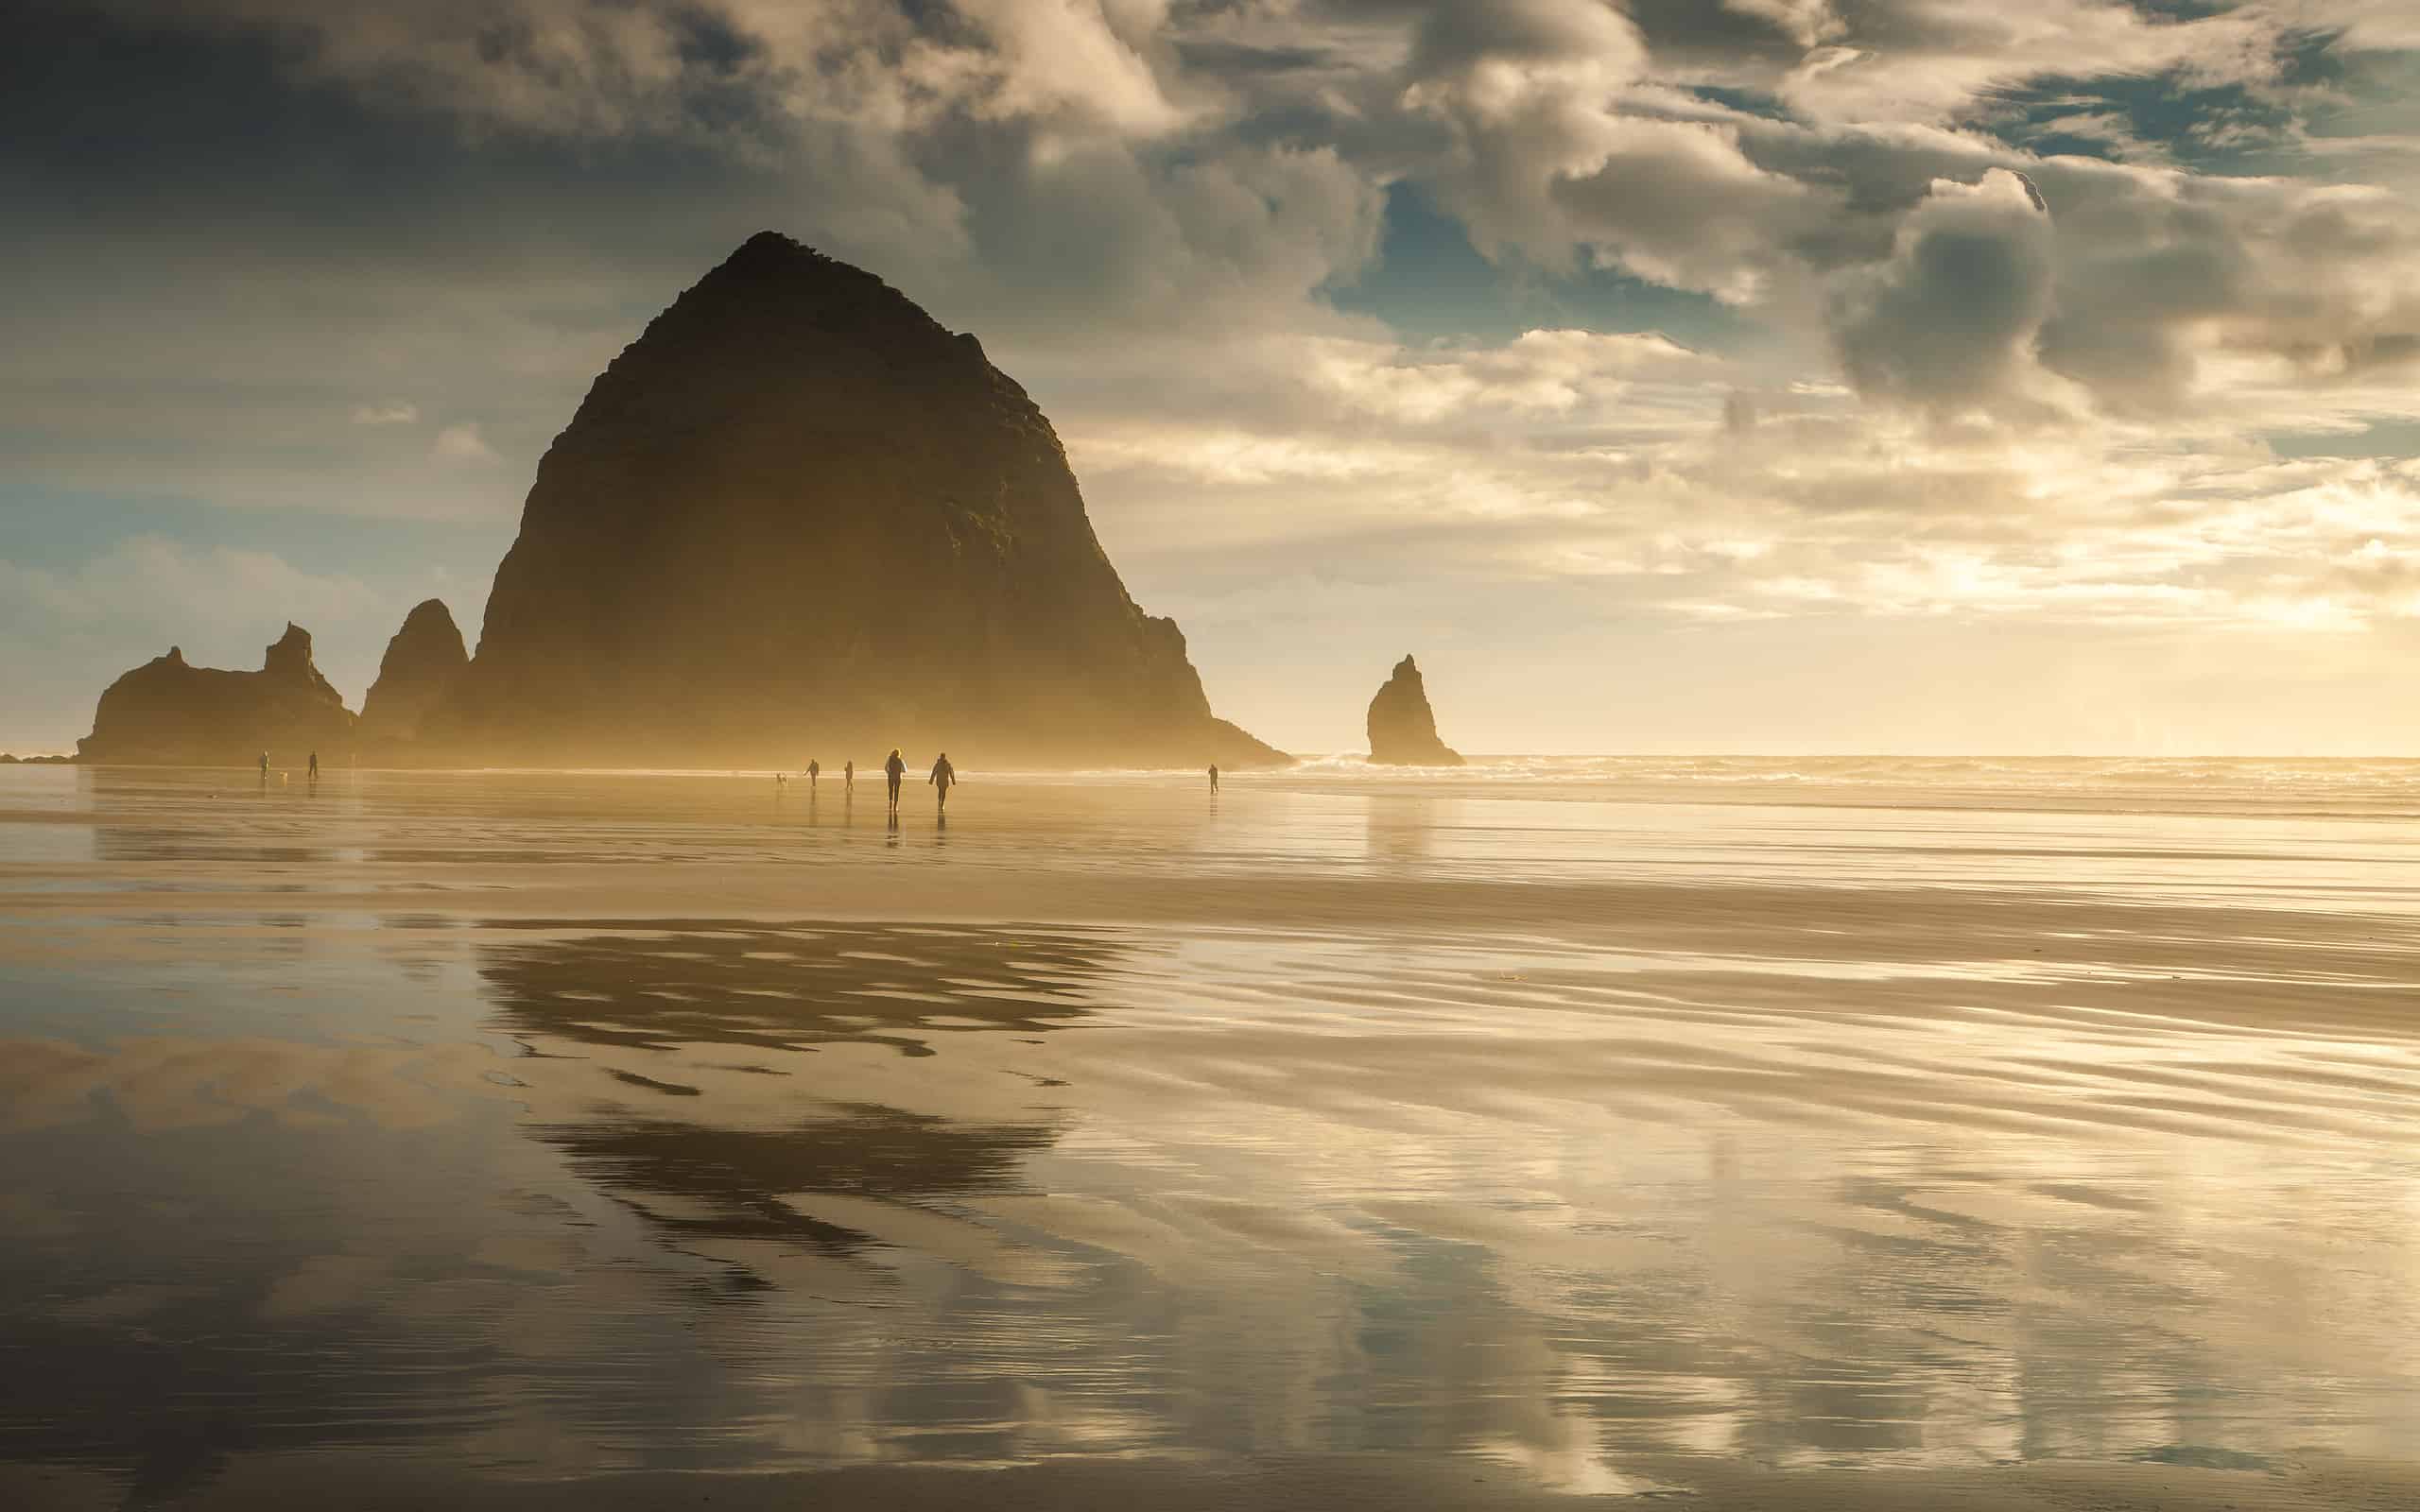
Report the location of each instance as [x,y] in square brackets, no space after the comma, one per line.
[1403,731]
[798,516]
[423,667]
[169,712]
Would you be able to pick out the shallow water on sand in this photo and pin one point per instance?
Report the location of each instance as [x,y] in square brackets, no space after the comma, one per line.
[1561,1116]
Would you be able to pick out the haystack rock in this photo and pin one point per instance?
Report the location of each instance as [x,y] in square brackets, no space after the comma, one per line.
[798,516]
[167,712]
[1403,731]
[423,667]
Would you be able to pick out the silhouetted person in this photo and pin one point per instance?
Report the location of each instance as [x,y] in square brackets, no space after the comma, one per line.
[943,776]
[315,767]
[849,777]
[264,766]
[894,769]
[1213,777]
[814,770]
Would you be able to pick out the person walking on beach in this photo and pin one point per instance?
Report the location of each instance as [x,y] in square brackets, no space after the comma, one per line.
[943,776]
[849,777]
[264,766]
[1213,777]
[814,770]
[894,769]
[315,767]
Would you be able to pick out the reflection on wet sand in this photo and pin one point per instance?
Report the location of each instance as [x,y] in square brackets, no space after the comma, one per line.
[1764,1152]
[1401,831]
[781,992]
[785,987]
[697,1181]
[997,1194]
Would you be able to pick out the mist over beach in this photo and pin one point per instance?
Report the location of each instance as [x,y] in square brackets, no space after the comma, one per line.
[1210,754]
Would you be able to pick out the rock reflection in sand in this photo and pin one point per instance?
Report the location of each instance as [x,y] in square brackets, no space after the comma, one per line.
[687,994]
[661,984]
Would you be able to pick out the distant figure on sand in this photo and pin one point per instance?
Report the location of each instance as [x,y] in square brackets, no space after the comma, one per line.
[264,766]
[315,767]
[814,770]
[943,775]
[1213,777]
[894,769]
[849,777]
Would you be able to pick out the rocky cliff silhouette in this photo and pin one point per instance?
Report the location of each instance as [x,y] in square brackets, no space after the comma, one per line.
[422,669]
[1403,730]
[798,515]
[168,711]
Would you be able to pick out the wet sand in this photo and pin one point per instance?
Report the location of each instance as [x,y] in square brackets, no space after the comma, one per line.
[1363,1484]
[1729,1141]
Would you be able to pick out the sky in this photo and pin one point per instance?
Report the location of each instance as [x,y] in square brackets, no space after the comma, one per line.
[1668,376]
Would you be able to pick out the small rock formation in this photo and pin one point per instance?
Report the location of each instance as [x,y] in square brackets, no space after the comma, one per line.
[169,713]
[424,665]
[1403,732]
[798,514]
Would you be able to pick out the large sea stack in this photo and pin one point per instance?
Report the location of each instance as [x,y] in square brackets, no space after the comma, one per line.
[169,712]
[1403,730]
[423,668]
[798,516]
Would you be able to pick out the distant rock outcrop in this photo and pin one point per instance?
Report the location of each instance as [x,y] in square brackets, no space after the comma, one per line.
[1403,731]
[423,667]
[169,713]
[798,515]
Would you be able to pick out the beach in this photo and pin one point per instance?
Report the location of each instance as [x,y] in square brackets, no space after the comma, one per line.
[1726,1133]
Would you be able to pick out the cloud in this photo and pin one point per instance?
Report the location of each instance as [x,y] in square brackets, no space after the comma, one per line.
[463,443]
[395,412]
[1950,321]
[1923,61]
[2388,576]
[167,587]
[1678,203]
[1073,58]
[1551,372]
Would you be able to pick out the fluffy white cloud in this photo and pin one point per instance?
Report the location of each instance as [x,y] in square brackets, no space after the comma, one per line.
[463,443]
[1075,59]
